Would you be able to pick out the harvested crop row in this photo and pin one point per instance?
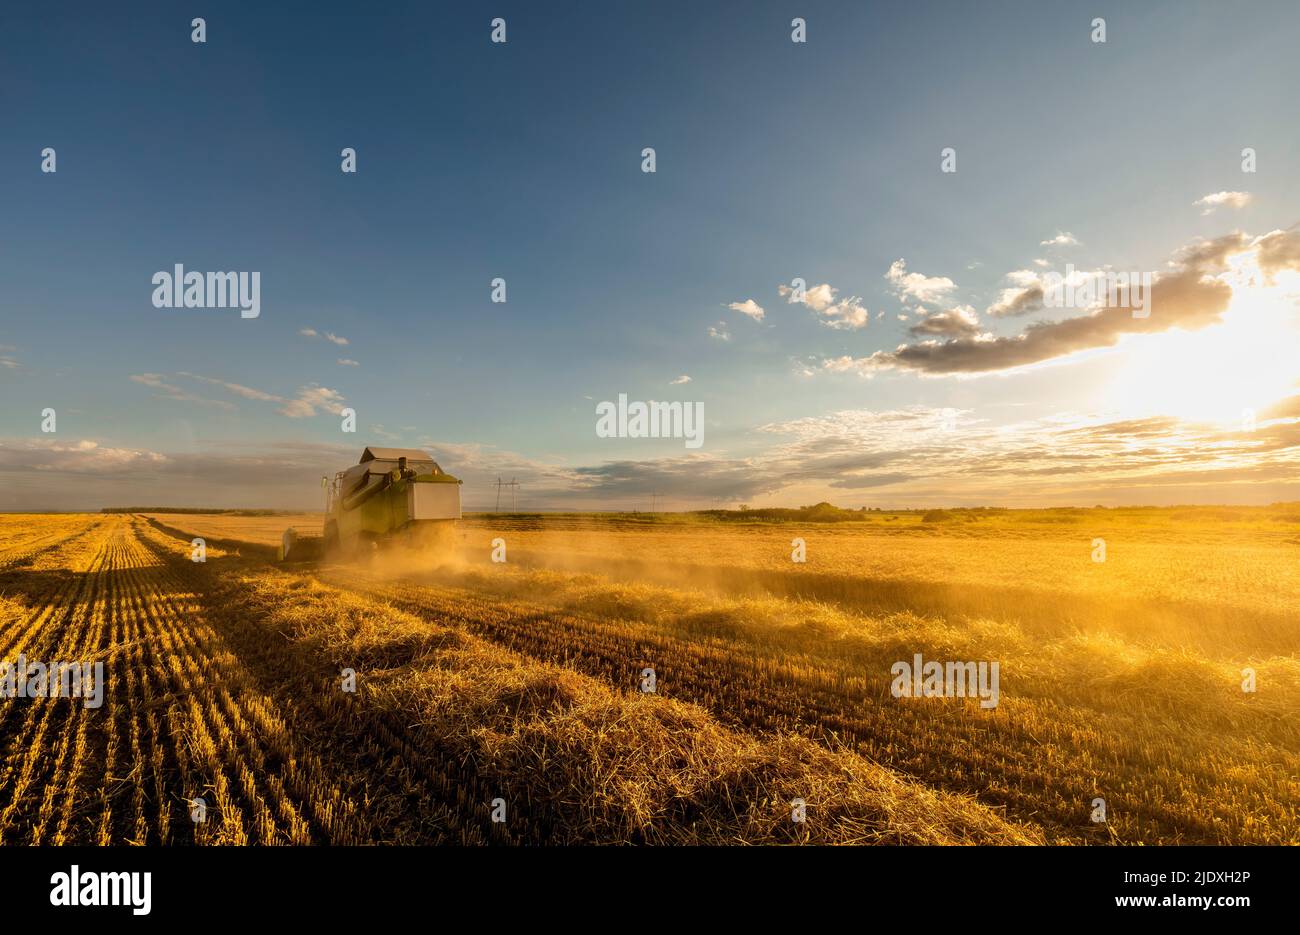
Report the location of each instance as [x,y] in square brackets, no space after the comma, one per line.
[29,598]
[775,666]
[574,760]
[23,545]
[1120,704]
[182,719]
[301,715]
[39,744]
[256,783]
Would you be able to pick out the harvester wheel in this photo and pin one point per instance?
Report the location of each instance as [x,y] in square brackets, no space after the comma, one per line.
[436,536]
[365,545]
[331,538]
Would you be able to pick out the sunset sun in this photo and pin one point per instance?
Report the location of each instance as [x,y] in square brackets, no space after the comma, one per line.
[1222,373]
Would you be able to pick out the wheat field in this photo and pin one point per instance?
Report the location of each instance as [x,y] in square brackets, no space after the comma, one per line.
[449,698]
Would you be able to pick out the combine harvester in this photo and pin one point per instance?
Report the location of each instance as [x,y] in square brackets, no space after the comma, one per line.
[392,495]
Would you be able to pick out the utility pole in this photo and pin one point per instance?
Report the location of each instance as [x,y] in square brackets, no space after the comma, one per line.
[514,489]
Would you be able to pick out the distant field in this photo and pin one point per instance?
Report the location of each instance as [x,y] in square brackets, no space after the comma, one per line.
[257,530]
[520,681]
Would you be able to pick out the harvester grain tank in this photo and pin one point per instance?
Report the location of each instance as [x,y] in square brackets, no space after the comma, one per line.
[391,495]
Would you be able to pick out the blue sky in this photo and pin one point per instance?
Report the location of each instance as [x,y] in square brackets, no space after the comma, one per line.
[522,160]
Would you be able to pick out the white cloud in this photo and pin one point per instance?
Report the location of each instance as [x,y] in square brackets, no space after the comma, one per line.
[348,362]
[842,364]
[844,314]
[682,379]
[156,381]
[916,285]
[1062,239]
[309,400]
[1222,200]
[82,457]
[153,380]
[817,298]
[848,315]
[237,388]
[748,307]
[720,331]
[327,335]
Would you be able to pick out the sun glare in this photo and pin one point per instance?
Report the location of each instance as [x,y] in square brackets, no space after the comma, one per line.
[1222,373]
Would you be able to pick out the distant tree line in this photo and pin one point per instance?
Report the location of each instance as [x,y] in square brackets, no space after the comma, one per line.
[195,509]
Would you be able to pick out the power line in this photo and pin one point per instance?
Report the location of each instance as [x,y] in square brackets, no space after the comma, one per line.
[514,494]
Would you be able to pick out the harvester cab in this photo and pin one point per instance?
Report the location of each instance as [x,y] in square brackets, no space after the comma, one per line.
[396,495]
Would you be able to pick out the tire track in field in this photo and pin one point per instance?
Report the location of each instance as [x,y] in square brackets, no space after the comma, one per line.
[266,789]
[313,707]
[71,559]
[182,716]
[284,726]
[28,764]
[77,727]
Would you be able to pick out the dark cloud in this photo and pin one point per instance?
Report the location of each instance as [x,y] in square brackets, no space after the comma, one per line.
[686,478]
[1018,302]
[954,323]
[1186,298]
[864,481]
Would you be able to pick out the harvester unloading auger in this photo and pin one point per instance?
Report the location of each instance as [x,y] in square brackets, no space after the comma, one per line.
[391,494]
